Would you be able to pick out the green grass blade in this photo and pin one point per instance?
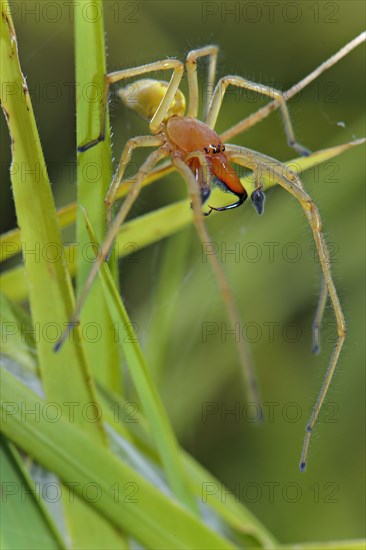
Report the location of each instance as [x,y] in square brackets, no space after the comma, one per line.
[149,397]
[234,513]
[33,528]
[94,174]
[351,544]
[151,517]
[171,274]
[47,277]
[236,519]
[17,336]
[65,376]
[235,516]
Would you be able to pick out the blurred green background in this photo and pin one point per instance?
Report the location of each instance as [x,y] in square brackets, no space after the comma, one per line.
[275,43]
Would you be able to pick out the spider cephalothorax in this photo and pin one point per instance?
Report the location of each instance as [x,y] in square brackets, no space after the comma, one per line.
[186,136]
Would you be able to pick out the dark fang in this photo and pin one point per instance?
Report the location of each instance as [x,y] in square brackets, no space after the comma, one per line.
[229,206]
[258,198]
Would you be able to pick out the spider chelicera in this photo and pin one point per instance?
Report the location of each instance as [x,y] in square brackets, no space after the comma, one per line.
[197,152]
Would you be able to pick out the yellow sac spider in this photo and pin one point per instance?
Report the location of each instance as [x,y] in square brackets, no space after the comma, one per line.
[198,153]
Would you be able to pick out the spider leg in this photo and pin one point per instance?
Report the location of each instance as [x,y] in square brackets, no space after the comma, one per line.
[319,317]
[312,213]
[245,359]
[116,76]
[131,145]
[258,161]
[258,197]
[240,82]
[203,180]
[262,113]
[132,195]
[156,174]
[191,66]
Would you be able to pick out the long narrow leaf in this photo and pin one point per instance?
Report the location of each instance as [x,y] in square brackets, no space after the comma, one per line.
[122,496]
[351,544]
[103,354]
[47,276]
[155,412]
[65,376]
[33,528]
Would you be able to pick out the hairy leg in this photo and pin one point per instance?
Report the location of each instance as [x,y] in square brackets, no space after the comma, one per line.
[241,156]
[245,358]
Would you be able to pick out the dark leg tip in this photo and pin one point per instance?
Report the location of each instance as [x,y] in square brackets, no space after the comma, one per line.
[258,198]
[260,419]
[315,349]
[87,146]
[57,346]
[205,193]
[209,212]
[302,467]
[90,144]
[107,258]
[61,341]
[303,151]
